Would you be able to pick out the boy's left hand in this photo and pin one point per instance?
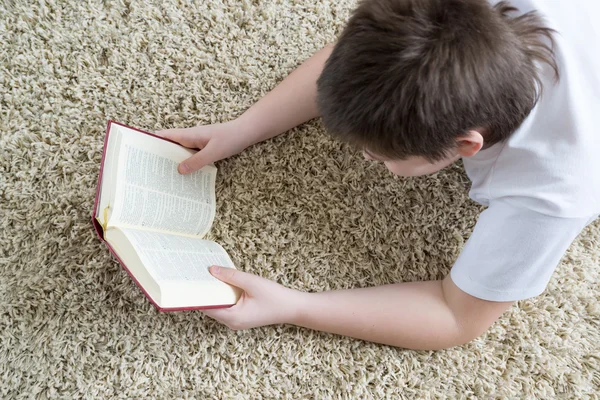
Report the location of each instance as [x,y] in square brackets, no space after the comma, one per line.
[263,302]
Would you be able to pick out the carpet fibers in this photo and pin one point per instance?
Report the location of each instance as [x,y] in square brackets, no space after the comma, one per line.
[300,209]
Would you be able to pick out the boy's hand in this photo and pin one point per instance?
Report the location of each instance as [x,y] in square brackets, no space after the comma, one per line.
[291,103]
[263,302]
[215,142]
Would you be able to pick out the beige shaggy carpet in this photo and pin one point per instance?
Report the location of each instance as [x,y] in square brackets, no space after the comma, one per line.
[299,209]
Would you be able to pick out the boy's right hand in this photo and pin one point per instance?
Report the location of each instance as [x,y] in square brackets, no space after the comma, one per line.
[215,142]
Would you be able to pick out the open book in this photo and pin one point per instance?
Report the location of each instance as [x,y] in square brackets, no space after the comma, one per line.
[153,220]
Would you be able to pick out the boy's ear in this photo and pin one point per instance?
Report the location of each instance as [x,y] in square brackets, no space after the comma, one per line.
[470,144]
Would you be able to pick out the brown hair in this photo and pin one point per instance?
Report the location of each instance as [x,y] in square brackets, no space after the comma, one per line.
[408,77]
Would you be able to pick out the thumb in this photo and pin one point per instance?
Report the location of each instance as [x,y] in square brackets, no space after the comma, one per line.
[198,160]
[242,280]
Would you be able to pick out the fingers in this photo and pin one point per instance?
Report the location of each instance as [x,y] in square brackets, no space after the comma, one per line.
[204,157]
[242,280]
[189,137]
[218,313]
[194,138]
[225,316]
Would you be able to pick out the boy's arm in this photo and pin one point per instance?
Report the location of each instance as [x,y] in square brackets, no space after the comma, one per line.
[428,315]
[416,315]
[291,103]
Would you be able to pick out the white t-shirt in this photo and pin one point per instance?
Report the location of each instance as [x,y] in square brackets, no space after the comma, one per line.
[542,185]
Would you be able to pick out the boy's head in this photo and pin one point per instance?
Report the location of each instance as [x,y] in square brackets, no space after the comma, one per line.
[419,83]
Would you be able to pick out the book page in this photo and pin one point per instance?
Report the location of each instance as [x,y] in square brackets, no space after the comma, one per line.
[151,193]
[177,258]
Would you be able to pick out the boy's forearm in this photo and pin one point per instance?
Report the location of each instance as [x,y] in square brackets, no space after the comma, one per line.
[291,103]
[412,315]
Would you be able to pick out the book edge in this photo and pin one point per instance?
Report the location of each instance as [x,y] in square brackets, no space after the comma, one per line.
[142,131]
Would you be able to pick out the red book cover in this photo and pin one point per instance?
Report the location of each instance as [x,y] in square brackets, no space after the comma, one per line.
[100,232]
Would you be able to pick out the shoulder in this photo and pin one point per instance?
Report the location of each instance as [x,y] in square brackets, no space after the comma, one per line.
[513,252]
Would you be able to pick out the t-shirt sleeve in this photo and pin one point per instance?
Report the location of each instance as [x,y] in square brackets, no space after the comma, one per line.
[513,252]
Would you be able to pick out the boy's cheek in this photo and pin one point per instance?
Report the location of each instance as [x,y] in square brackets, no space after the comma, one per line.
[404,168]
[416,167]
[394,169]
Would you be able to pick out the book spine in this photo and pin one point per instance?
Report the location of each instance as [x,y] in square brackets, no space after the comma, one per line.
[96,224]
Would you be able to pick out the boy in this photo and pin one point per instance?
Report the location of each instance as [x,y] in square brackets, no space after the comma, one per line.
[418,84]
